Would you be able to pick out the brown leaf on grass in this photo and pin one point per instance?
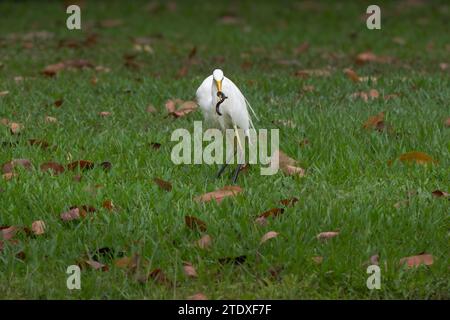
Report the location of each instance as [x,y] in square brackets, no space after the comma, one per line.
[155,145]
[111,23]
[289,202]
[104,114]
[185,108]
[368,56]
[53,69]
[262,218]
[40,143]
[375,259]
[158,276]
[54,167]
[151,109]
[312,73]
[123,263]
[10,166]
[96,265]
[189,270]
[269,235]
[72,214]
[415,261]
[447,123]
[327,235]
[439,194]
[106,165]
[38,227]
[233,260]
[50,119]
[108,205]
[220,194]
[375,122]
[9,176]
[15,128]
[286,164]
[352,75]
[82,164]
[197,296]
[301,48]
[204,242]
[416,157]
[317,259]
[195,223]
[7,233]
[4,93]
[164,185]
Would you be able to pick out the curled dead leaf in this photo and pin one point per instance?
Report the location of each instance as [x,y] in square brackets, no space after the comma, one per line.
[189,270]
[439,194]
[416,157]
[352,75]
[218,195]
[195,223]
[38,227]
[82,164]
[164,185]
[269,235]
[198,296]
[54,167]
[327,235]
[10,166]
[415,261]
[204,242]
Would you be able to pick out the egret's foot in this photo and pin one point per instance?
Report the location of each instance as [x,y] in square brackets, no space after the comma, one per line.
[221,170]
[236,173]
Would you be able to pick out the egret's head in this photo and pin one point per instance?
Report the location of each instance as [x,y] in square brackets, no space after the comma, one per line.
[218,77]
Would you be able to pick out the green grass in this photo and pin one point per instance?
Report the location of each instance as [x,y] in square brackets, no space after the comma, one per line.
[349,185]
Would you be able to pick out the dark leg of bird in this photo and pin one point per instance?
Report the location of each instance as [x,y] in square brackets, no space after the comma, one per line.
[236,173]
[222,168]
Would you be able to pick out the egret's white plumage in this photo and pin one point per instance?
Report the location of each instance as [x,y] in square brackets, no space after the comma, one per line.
[234,108]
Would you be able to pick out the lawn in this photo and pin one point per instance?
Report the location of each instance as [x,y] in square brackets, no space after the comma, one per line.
[289,59]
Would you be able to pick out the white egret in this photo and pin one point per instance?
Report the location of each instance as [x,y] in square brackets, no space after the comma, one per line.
[225,107]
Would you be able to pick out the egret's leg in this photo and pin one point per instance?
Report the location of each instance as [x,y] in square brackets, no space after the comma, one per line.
[236,173]
[222,168]
[241,154]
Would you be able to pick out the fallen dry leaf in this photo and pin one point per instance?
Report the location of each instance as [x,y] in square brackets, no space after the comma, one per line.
[72,214]
[368,56]
[198,296]
[204,242]
[269,235]
[49,119]
[352,75]
[317,259]
[447,123]
[54,167]
[312,73]
[289,202]
[7,233]
[96,265]
[10,166]
[38,227]
[159,277]
[375,122]
[439,194]
[151,109]
[262,218]
[104,114]
[189,270]
[82,164]
[195,223]
[53,69]
[184,107]
[165,185]
[218,195]
[15,127]
[4,93]
[9,176]
[40,143]
[286,164]
[415,261]
[108,205]
[416,157]
[374,260]
[327,235]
